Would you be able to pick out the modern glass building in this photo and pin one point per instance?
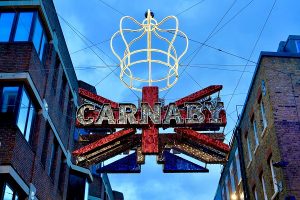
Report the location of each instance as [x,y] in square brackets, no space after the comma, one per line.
[38,101]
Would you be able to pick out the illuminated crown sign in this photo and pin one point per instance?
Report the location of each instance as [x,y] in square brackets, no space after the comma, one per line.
[162,63]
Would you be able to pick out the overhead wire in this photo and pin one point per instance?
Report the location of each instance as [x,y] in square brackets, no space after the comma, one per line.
[95,44]
[252,51]
[190,39]
[34,62]
[124,14]
[194,5]
[111,7]
[81,36]
[197,50]
[210,36]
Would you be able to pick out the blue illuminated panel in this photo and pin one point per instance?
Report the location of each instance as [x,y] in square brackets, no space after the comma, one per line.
[176,164]
[127,164]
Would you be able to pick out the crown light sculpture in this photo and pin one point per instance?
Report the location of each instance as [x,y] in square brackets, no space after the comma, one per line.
[133,70]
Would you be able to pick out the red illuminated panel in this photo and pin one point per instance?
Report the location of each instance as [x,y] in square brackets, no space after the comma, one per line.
[104,141]
[199,95]
[204,139]
[96,98]
[150,140]
[150,134]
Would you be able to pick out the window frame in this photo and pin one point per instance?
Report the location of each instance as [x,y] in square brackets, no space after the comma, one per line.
[223,192]
[274,180]
[35,17]
[263,116]
[23,88]
[249,149]
[14,194]
[14,116]
[255,193]
[227,188]
[232,179]
[263,183]
[297,45]
[238,166]
[17,98]
[53,159]
[255,133]
[16,22]
[12,25]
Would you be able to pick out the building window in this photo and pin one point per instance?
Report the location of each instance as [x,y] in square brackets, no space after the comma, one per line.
[255,134]
[26,115]
[298,46]
[249,149]
[9,99]
[227,188]
[39,38]
[63,93]
[70,107]
[223,193]
[255,193]
[238,166]
[263,114]
[17,108]
[275,184]
[45,145]
[6,22]
[23,27]
[62,173]
[55,75]
[9,193]
[232,181]
[86,190]
[264,187]
[53,156]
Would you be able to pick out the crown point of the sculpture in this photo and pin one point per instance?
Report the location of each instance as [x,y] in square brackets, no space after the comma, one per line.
[149,12]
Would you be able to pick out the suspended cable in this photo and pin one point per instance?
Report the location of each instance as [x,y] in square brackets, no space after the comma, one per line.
[252,51]
[194,5]
[77,32]
[111,7]
[196,52]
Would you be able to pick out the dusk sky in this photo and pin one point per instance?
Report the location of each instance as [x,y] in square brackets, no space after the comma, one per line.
[233,33]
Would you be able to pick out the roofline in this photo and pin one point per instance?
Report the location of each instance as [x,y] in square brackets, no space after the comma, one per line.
[261,55]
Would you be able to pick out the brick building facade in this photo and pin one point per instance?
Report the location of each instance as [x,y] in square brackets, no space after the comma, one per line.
[39,97]
[268,127]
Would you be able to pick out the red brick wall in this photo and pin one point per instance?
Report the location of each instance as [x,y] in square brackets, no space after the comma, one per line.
[14,149]
[22,57]
[281,138]
[283,80]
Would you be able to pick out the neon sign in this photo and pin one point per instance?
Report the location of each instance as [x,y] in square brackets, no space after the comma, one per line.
[191,113]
